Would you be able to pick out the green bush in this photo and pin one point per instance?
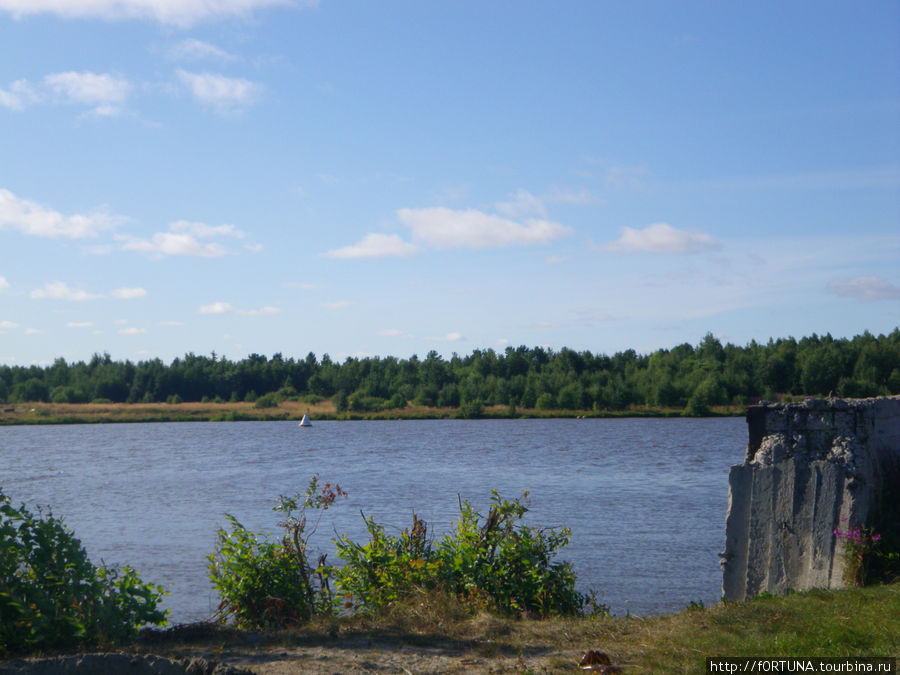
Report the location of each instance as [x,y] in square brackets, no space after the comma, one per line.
[53,597]
[267,401]
[499,564]
[266,584]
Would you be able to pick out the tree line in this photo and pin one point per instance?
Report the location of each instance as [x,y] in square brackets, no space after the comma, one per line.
[686,376]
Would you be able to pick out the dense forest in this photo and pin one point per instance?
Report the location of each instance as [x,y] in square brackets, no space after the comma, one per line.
[689,377]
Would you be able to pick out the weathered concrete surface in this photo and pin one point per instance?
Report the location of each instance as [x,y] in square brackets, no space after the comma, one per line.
[811,468]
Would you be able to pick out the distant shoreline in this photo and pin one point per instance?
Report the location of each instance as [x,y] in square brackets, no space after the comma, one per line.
[99,413]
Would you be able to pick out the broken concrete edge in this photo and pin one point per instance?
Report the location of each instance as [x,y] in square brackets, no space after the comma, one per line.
[811,468]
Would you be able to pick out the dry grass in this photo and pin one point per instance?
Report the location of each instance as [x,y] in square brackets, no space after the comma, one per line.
[854,622]
[73,413]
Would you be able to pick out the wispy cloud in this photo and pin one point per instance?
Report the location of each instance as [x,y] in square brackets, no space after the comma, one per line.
[223,94]
[375,246]
[19,95]
[217,308]
[59,290]
[522,203]
[865,288]
[183,238]
[125,293]
[197,50]
[228,308]
[8,325]
[447,228]
[393,332]
[33,219]
[337,304]
[4,284]
[181,13]
[80,324]
[661,238]
[132,331]
[449,337]
[105,93]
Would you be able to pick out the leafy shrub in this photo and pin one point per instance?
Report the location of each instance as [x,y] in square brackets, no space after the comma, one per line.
[387,568]
[266,584]
[500,563]
[267,401]
[53,597]
[102,401]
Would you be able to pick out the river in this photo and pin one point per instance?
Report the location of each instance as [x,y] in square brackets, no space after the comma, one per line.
[645,498]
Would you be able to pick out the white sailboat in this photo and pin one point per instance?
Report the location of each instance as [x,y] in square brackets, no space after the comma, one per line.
[305,421]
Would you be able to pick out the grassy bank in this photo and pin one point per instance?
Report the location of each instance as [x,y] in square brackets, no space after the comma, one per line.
[819,623]
[87,413]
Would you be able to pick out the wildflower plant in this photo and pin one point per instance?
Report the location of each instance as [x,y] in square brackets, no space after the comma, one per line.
[269,584]
[860,545]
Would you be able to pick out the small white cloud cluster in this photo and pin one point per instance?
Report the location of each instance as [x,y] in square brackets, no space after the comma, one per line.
[181,13]
[33,219]
[522,221]
[227,308]
[661,238]
[183,239]
[60,290]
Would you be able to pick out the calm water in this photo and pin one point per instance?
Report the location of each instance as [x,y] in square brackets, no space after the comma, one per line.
[645,499]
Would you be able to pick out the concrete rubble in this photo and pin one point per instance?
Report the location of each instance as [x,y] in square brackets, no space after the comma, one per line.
[811,468]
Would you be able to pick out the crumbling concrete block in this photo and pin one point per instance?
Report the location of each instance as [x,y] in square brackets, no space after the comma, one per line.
[811,468]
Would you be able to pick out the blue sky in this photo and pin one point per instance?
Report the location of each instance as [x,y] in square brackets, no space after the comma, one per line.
[387,178]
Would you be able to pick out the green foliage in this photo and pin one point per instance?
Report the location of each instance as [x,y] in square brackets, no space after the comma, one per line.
[696,377]
[499,563]
[53,597]
[267,401]
[264,583]
[386,568]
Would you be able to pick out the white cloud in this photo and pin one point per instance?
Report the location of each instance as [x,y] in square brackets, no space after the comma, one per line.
[132,331]
[8,325]
[169,243]
[4,284]
[106,93]
[80,324]
[192,49]
[865,288]
[33,331]
[125,293]
[375,246]
[183,238]
[171,323]
[203,230]
[661,238]
[337,304]
[446,228]
[35,220]
[223,94]
[522,203]
[217,308]
[182,13]
[262,311]
[449,337]
[19,95]
[59,290]
[227,308]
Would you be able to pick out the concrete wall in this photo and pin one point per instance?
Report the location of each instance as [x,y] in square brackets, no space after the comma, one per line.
[811,468]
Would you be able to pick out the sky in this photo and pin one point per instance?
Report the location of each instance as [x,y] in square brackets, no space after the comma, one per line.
[394,177]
